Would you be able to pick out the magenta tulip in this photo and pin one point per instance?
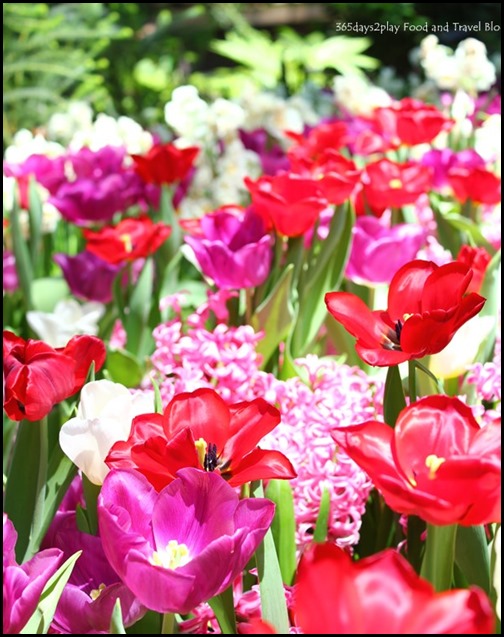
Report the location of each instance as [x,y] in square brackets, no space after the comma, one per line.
[184,545]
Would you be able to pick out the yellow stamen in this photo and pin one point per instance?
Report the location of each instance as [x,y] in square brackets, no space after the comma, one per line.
[395,183]
[128,244]
[433,463]
[174,556]
[96,592]
[201,449]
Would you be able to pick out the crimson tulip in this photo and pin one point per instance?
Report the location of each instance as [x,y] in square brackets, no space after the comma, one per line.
[287,202]
[411,121]
[165,163]
[427,304]
[437,463]
[37,376]
[325,136]
[131,239]
[476,184]
[388,184]
[380,595]
[198,429]
[477,259]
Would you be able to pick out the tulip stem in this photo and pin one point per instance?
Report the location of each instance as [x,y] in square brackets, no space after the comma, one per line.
[38,513]
[426,370]
[168,624]
[437,565]
[223,607]
[412,381]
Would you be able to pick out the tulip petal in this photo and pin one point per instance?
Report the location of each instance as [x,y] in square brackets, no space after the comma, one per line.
[406,288]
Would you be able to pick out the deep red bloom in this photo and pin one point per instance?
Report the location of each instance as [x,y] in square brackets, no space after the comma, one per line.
[477,259]
[391,185]
[287,202]
[476,184]
[411,122]
[325,136]
[37,376]
[437,463]
[380,594]
[165,163]
[200,430]
[427,304]
[256,627]
[131,239]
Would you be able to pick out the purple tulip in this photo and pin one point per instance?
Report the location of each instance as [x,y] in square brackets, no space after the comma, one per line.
[379,251]
[272,156]
[47,171]
[23,584]
[441,161]
[89,277]
[179,547]
[86,604]
[235,250]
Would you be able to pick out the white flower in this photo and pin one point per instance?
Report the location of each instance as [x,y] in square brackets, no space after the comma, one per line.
[357,96]
[68,319]
[24,144]
[188,114]
[461,351]
[104,416]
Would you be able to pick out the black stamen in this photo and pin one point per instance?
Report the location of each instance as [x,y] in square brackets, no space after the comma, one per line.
[211,461]
[398,330]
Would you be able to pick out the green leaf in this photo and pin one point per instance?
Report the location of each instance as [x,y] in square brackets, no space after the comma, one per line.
[116,621]
[437,564]
[470,228]
[24,267]
[472,556]
[123,367]
[139,308]
[223,607]
[35,216]
[47,292]
[39,622]
[158,401]
[323,275]
[273,605]
[274,316]
[283,527]
[322,524]
[393,398]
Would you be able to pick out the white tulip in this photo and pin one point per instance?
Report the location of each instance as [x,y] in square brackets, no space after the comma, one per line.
[68,319]
[104,416]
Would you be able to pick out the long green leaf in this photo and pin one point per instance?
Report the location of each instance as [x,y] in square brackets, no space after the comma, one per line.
[139,308]
[322,524]
[223,607]
[472,556]
[40,621]
[116,621]
[23,263]
[275,315]
[393,399]
[283,527]
[273,605]
[438,560]
[323,276]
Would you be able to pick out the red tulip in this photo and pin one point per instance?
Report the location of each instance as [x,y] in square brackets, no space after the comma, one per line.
[477,259]
[380,594]
[325,136]
[427,304]
[131,239]
[411,122]
[165,164]
[37,377]
[391,185]
[476,184]
[256,627]
[437,463]
[200,430]
[287,202]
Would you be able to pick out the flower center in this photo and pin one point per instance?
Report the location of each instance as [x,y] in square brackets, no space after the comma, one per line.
[395,184]
[96,592]
[392,339]
[433,463]
[207,454]
[128,243]
[173,556]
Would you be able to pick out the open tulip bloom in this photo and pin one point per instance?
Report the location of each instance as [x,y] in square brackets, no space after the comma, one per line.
[179,547]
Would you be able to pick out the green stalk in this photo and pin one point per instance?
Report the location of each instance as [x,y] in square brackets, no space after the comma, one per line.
[168,624]
[437,565]
[223,607]
[38,513]
[412,382]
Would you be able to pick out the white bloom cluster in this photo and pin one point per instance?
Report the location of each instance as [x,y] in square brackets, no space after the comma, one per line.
[467,68]
[108,131]
[276,115]
[25,143]
[357,96]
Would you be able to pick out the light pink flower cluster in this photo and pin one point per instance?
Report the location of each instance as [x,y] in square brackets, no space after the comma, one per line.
[487,377]
[333,395]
